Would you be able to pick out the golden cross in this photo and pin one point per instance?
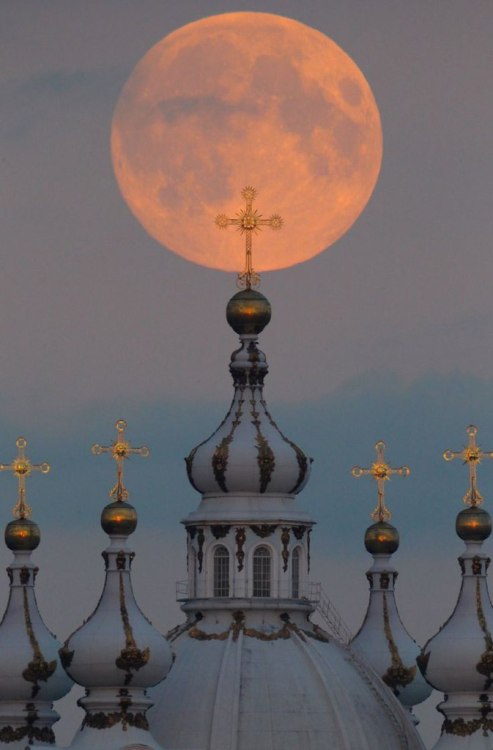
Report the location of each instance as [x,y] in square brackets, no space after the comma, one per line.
[21,467]
[470,455]
[120,449]
[381,472]
[248,221]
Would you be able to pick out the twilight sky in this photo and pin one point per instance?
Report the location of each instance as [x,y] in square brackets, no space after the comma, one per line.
[384,336]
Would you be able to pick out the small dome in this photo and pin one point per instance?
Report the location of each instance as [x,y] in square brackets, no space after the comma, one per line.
[473,524]
[119,519]
[381,538]
[248,312]
[22,534]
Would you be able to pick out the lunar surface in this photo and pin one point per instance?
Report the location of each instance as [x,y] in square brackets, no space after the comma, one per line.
[246,99]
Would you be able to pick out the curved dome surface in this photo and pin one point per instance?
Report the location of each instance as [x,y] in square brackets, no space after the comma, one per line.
[275,688]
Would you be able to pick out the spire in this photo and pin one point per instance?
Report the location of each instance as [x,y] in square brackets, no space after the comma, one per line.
[116,654]
[458,660]
[249,222]
[31,677]
[382,638]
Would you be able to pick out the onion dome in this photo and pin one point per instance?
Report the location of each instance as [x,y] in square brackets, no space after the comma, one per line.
[382,639]
[458,660]
[248,453]
[117,653]
[31,677]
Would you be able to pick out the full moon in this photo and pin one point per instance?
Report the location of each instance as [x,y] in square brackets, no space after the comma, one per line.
[246,99]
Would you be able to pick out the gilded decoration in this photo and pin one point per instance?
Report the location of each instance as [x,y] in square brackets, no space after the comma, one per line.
[462,728]
[28,731]
[121,560]
[200,551]
[66,655]
[285,548]
[301,459]
[381,472]
[264,530]
[101,720]
[462,565]
[221,453]
[238,626]
[240,538]
[24,576]
[220,531]
[471,455]
[175,632]
[485,664]
[38,670]
[131,657]
[384,581]
[369,577]
[120,450]
[477,565]
[21,467]
[397,675]
[299,532]
[265,456]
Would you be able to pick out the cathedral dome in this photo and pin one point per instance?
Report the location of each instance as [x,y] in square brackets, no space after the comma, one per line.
[270,686]
[248,452]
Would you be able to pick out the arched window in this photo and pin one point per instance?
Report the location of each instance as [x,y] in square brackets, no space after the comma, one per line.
[221,571]
[261,572]
[295,573]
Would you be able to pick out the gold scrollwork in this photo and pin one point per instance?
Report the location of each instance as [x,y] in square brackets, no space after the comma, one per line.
[240,538]
[131,657]
[38,670]
[285,548]
[101,720]
[397,675]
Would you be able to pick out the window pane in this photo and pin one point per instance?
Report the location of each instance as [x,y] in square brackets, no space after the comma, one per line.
[261,572]
[221,571]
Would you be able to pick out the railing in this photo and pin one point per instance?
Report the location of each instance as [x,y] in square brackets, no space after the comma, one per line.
[312,592]
[331,617]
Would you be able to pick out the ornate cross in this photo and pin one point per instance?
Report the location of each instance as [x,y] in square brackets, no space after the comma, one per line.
[21,467]
[470,455]
[120,449]
[248,221]
[381,472]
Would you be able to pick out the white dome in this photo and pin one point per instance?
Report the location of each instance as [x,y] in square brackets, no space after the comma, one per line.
[248,452]
[285,686]
[31,668]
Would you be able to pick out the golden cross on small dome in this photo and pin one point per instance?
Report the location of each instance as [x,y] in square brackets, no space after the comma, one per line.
[248,221]
[470,455]
[120,449]
[22,467]
[381,472]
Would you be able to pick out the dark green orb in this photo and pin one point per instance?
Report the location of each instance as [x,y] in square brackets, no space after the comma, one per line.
[473,524]
[381,538]
[119,519]
[22,534]
[248,312]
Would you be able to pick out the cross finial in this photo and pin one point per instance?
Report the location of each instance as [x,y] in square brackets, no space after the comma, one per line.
[470,455]
[248,221]
[381,472]
[22,467]
[120,449]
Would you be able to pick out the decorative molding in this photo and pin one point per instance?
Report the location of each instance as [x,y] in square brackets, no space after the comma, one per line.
[240,538]
[200,552]
[264,530]
[477,565]
[369,577]
[101,720]
[299,532]
[238,626]
[397,675]
[131,657]
[462,728]
[219,531]
[24,576]
[384,581]
[285,537]
[485,664]
[220,461]
[38,670]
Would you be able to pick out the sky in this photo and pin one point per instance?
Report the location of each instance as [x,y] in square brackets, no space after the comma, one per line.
[384,336]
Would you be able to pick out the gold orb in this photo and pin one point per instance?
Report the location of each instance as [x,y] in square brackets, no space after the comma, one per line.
[248,312]
[381,538]
[473,524]
[119,519]
[22,534]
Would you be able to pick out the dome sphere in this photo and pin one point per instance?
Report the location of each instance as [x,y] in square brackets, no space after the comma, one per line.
[473,524]
[119,519]
[22,534]
[381,538]
[248,312]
